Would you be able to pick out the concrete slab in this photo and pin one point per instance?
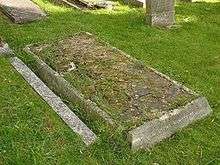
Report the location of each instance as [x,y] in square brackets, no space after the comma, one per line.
[21,11]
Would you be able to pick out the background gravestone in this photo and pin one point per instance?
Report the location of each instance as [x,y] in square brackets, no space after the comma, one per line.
[161,12]
[21,11]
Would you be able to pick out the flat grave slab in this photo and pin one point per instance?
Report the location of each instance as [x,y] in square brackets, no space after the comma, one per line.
[21,11]
[146,103]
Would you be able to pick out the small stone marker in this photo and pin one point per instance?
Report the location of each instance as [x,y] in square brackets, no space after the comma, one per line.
[161,12]
[21,11]
[55,102]
[4,48]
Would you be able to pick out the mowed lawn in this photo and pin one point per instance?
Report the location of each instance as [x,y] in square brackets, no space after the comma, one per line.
[31,132]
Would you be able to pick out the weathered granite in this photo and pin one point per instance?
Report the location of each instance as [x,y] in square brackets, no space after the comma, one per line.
[21,11]
[55,102]
[161,12]
[152,132]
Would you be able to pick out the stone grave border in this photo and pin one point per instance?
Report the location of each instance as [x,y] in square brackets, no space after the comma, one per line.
[54,101]
[149,133]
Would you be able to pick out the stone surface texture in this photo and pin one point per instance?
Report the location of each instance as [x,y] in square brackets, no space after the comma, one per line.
[150,133]
[21,11]
[161,12]
[55,102]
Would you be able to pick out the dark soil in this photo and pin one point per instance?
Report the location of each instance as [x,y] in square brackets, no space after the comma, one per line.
[123,87]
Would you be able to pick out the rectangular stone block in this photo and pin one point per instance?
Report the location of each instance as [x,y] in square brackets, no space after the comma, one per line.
[21,11]
[152,132]
[161,12]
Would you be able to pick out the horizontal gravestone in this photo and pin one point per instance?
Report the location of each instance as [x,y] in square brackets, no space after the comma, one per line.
[161,12]
[146,103]
[21,11]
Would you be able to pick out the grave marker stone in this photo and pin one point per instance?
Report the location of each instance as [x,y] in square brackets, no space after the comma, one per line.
[161,12]
[21,11]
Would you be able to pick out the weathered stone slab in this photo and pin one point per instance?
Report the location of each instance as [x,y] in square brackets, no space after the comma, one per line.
[21,11]
[161,12]
[55,102]
[132,94]
[150,133]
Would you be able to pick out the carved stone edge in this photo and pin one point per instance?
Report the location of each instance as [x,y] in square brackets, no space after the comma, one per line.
[152,132]
[54,101]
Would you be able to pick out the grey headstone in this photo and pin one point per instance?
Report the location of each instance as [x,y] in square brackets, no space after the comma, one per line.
[21,11]
[161,12]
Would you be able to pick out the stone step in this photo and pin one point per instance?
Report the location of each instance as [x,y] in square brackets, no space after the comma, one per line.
[21,11]
[55,102]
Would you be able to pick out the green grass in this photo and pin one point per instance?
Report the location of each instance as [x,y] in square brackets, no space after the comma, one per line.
[30,132]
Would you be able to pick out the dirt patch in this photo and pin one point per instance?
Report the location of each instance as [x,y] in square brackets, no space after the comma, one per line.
[127,90]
